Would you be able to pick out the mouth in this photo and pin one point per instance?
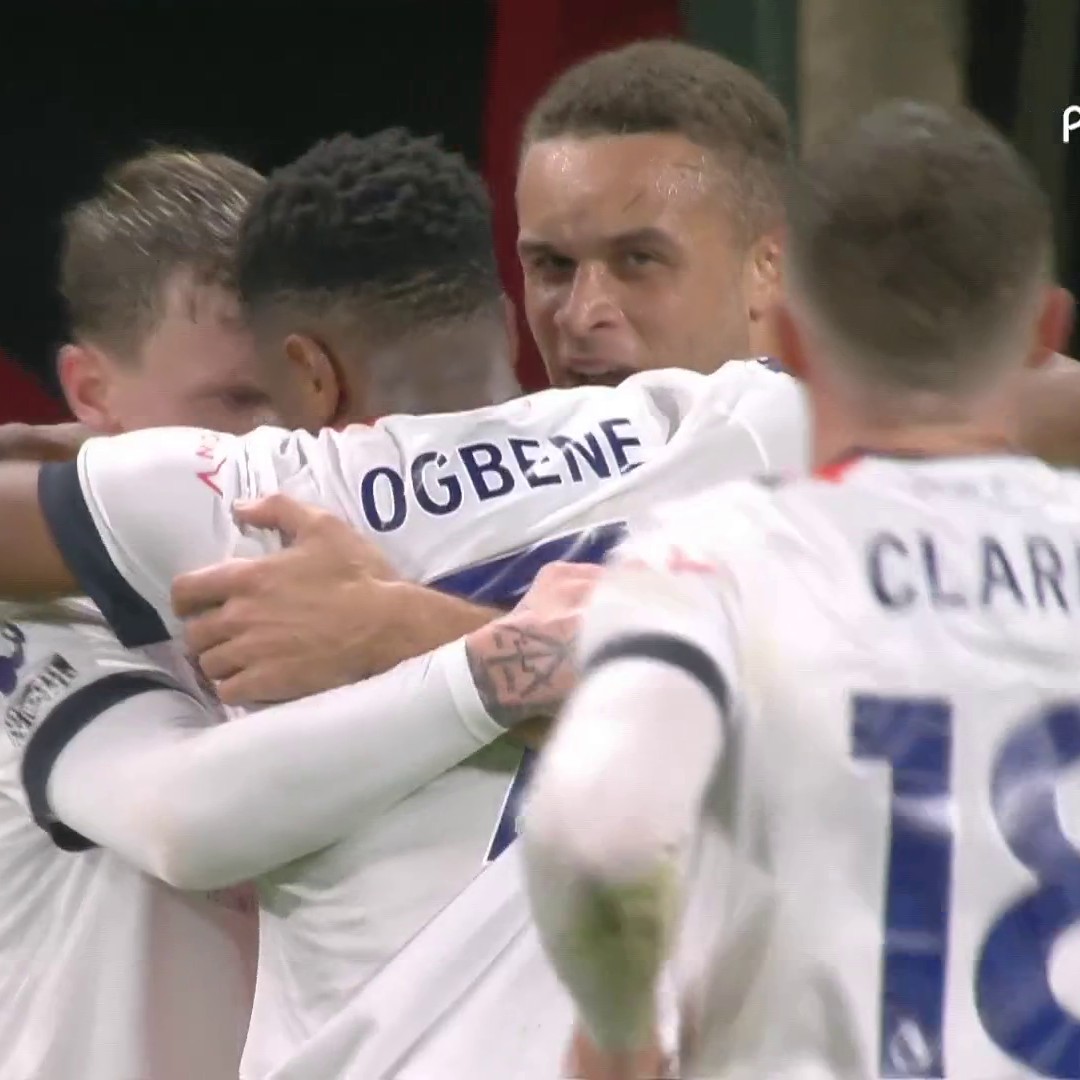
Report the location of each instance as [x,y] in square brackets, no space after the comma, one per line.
[597,376]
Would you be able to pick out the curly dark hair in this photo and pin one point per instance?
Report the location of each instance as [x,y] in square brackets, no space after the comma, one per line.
[391,228]
[659,86]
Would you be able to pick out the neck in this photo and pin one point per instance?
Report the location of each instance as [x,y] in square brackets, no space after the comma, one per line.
[987,428]
[466,367]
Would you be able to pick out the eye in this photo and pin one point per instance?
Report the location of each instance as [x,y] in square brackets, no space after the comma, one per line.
[638,259]
[243,398]
[551,263]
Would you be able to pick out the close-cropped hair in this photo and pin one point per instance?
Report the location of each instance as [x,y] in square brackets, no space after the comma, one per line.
[654,87]
[920,239]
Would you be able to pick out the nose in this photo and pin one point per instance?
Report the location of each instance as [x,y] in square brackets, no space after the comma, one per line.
[591,304]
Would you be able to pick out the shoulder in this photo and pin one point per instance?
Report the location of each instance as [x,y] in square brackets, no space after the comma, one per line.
[717,519]
[50,653]
[59,669]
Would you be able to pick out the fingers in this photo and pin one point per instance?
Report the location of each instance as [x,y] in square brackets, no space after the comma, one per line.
[264,682]
[256,685]
[243,689]
[287,516]
[221,661]
[242,677]
[203,590]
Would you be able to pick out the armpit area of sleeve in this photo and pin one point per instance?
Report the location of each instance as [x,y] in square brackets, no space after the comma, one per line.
[453,660]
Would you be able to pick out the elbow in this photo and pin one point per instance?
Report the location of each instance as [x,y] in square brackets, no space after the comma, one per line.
[183,846]
[590,826]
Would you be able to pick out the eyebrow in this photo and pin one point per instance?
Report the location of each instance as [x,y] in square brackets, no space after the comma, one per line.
[648,234]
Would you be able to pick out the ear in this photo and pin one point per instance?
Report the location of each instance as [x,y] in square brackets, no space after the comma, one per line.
[322,390]
[87,378]
[763,275]
[1054,326]
[789,340]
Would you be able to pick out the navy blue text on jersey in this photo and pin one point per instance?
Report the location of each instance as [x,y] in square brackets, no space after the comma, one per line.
[1032,572]
[37,696]
[440,482]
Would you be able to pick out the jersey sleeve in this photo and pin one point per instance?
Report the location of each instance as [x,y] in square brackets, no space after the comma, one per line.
[202,805]
[134,511]
[617,793]
[55,678]
[670,594]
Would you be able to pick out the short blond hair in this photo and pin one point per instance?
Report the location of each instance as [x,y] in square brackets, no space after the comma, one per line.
[164,211]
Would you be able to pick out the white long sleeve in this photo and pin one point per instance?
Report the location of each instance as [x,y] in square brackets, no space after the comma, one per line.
[616,798]
[613,807]
[205,808]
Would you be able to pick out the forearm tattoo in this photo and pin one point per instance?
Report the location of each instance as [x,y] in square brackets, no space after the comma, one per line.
[526,673]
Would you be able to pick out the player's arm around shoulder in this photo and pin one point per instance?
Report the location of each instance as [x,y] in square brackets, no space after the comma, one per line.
[41,442]
[135,510]
[673,577]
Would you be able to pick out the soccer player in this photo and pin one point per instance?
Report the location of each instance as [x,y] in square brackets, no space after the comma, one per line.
[380,832]
[649,213]
[650,225]
[104,971]
[331,918]
[616,280]
[148,276]
[649,209]
[374,257]
[399,789]
[840,716]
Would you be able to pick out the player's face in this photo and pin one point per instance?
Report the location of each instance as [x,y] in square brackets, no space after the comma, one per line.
[630,258]
[195,368]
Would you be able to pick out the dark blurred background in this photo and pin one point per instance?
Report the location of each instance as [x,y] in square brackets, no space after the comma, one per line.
[83,86]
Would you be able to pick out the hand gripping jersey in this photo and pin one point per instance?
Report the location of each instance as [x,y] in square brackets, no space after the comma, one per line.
[475,503]
[104,971]
[887,882]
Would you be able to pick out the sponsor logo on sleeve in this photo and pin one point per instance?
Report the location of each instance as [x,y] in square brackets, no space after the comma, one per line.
[37,696]
[12,656]
[208,468]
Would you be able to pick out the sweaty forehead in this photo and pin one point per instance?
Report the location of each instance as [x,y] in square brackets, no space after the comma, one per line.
[571,187]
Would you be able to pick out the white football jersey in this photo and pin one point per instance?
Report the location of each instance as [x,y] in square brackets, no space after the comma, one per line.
[471,995]
[475,503]
[887,882]
[105,973]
